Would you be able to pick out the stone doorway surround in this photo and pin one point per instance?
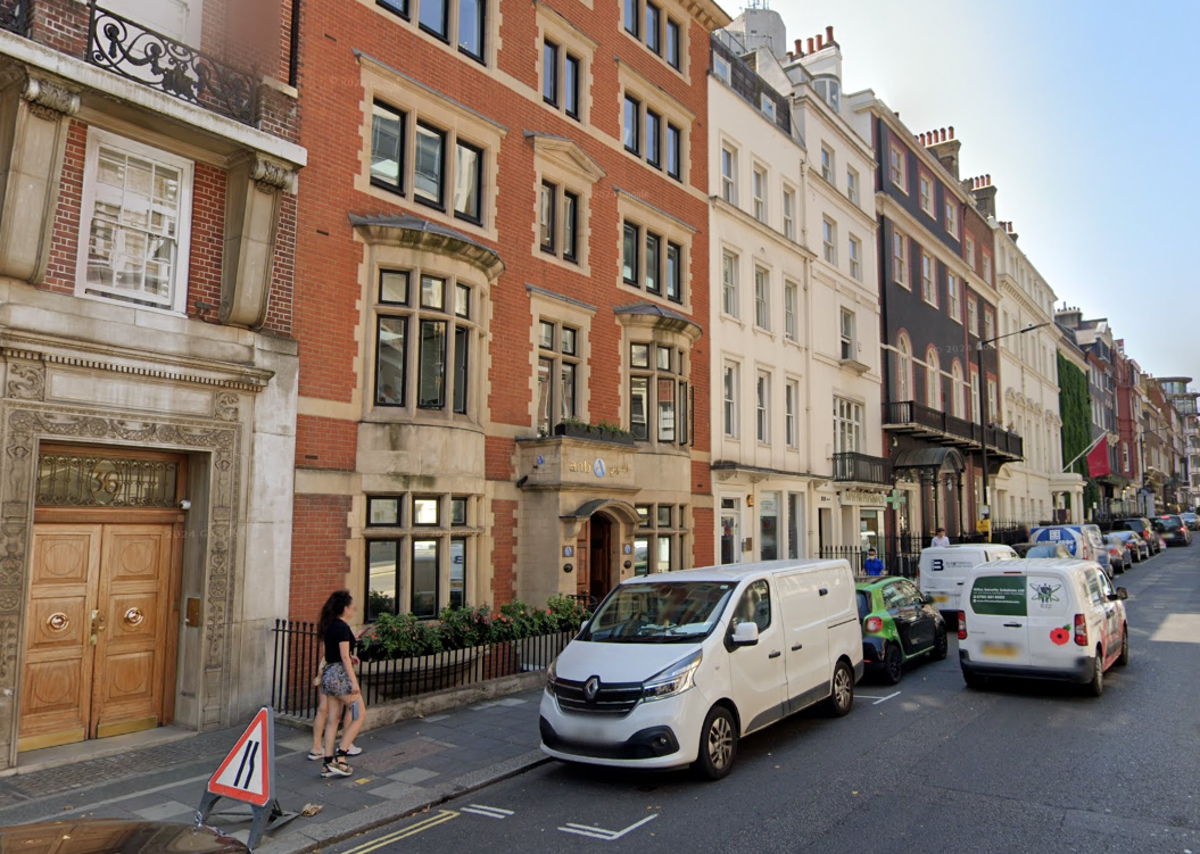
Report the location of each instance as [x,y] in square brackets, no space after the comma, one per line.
[28,419]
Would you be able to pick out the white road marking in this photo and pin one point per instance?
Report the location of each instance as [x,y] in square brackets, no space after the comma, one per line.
[601,833]
[488,812]
[877,700]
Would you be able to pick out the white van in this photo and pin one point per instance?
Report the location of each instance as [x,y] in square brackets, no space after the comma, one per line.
[943,568]
[1050,618]
[674,668]
[1084,542]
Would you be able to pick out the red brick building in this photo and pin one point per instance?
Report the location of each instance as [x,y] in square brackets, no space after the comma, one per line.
[148,157]
[501,238]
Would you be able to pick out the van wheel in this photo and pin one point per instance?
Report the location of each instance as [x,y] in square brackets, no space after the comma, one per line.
[893,664]
[1124,658]
[1096,686]
[718,744]
[841,697]
[940,646]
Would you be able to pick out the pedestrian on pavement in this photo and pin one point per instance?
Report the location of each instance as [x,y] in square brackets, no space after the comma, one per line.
[318,743]
[339,684]
[873,565]
[940,539]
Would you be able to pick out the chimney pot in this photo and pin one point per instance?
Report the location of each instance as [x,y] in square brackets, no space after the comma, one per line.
[952,131]
[943,134]
[810,44]
[988,178]
[829,33]
[820,42]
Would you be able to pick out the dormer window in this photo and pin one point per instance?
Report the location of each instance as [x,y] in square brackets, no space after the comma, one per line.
[830,90]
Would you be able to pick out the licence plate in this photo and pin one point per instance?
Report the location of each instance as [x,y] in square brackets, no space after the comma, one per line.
[941,600]
[1000,650]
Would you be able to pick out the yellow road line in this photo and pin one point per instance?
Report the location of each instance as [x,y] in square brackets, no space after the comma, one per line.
[442,817]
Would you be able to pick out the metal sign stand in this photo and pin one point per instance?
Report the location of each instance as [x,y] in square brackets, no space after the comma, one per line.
[248,775]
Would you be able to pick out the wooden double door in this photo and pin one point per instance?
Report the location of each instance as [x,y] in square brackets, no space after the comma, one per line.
[100,634]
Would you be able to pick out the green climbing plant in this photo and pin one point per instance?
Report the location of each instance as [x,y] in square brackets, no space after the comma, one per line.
[1075,409]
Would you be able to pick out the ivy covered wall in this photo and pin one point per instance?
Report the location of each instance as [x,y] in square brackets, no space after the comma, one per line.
[1075,409]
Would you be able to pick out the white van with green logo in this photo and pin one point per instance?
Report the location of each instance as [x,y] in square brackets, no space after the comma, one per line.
[1043,619]
[943,568]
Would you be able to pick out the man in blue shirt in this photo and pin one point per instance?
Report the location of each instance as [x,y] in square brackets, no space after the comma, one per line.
[872,565]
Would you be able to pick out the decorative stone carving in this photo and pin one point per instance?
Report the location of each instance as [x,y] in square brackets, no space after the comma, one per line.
[49,100]
[29,421]
[28,381]
[270,176]
[254,196]
[225,407]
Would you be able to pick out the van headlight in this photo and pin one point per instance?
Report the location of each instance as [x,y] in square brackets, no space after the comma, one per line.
[676,679]
[552,673]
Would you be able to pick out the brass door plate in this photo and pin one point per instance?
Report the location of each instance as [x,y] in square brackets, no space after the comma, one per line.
[192,612]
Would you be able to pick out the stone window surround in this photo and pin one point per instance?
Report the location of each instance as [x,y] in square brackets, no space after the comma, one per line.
[421,103]
[678,533]
[651,96]
[562,311]
[681,336]
[646,216]
[492,16]
[565,164]
[96,137]
[29,421]
[664,12]
[553,26]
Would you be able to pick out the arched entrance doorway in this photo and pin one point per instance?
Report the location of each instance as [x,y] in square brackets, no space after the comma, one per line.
[599,531]
[602,547]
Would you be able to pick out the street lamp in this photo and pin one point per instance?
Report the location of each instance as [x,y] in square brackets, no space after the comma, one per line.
[983,403]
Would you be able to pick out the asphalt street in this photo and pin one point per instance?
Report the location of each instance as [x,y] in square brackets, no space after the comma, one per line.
[925,765]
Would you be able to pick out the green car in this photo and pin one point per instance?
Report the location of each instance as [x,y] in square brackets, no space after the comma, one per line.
[898,625]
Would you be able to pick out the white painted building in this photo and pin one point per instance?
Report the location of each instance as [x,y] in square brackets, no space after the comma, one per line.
[795,325]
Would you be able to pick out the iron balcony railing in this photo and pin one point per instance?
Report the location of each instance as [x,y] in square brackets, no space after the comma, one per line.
[125,47]
[861,468]
[12,15]
[917,414]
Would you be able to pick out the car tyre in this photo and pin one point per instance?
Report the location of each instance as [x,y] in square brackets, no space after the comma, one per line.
[1123,659]
[1095,687]
[718,744]
[941,646]
[841,694]
[893,664]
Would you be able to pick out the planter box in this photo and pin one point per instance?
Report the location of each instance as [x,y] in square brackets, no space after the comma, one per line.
[596,434]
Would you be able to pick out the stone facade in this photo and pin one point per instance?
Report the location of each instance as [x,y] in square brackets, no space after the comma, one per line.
[183,353]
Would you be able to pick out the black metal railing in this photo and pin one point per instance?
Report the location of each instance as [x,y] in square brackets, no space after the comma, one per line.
[852,466]
[12,15]
[125,47]
[912,412]
[298,653]
[895,562]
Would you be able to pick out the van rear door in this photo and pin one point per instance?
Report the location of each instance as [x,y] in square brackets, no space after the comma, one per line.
[997,617]
[1052,608]
[944,578]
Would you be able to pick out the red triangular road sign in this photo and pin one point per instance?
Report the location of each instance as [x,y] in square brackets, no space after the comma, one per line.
[245,775]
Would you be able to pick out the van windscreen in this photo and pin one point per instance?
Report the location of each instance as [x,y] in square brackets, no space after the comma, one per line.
[663,612]
[999,595]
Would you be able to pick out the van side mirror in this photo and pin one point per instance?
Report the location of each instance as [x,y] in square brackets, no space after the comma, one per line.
[1122,594]
[746,634]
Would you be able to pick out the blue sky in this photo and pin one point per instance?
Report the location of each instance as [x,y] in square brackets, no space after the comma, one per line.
[1086,116]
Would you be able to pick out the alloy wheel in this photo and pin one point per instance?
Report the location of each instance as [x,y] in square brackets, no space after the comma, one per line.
[720,742]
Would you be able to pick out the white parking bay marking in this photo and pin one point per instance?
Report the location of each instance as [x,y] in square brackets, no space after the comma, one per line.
[878,700]
[1178,628]
[601,833]
[487,812]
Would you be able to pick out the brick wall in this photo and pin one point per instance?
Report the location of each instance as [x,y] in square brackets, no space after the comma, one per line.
[319,560]
[504,551]
[64,250]
[325,443]
[208,232]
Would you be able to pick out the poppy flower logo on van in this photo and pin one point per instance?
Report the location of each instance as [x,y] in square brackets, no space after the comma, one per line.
[1061,636]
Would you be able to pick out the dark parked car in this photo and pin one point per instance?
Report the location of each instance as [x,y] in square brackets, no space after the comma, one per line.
[1191,520]
[1042,550]
[1174,531]
[1139,549]
[1141,526]
[898,625]
[115,836]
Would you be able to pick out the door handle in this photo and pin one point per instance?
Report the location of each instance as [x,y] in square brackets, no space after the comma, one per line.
[775,654]
[824,591]
[1012,625]
[798,647]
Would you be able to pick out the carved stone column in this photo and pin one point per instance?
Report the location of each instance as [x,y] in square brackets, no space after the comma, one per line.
[34,118]
[255,190]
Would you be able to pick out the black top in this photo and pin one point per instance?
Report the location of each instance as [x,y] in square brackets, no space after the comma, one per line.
[335,633]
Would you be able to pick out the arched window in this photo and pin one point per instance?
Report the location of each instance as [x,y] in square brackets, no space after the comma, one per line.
[957,389]
[933,380]
[903,369]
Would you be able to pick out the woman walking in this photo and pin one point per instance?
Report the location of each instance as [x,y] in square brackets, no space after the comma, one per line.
[339,684]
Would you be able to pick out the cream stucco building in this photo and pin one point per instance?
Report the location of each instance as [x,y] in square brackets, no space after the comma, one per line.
[796,430]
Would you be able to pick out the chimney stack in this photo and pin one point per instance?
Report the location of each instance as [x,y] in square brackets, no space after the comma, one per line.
[820,42]
[799,47]
[945,149]
[984,194]
[810,45]
[829,35]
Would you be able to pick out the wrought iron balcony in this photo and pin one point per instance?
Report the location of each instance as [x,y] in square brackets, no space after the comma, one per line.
[861,468]
[908,416]
[127,48]
[12,15]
